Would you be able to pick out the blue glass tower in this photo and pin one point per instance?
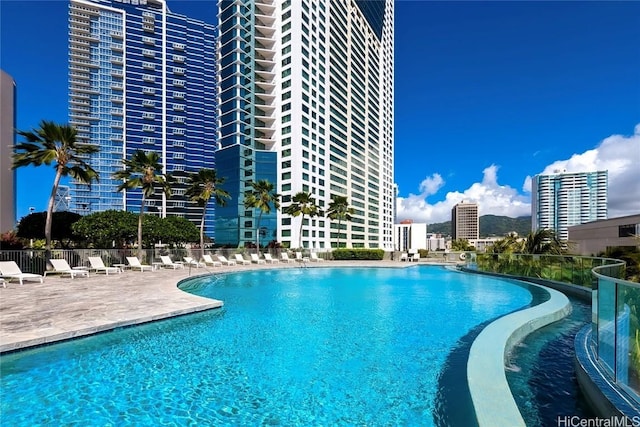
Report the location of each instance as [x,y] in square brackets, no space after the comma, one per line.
[142,78]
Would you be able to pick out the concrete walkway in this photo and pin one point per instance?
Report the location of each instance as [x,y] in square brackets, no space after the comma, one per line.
[63,308]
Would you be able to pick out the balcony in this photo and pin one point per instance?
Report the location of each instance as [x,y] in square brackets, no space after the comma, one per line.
[83,89]
[83,62]
[84,9]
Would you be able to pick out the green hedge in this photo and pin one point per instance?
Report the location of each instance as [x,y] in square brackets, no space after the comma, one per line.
[359,254]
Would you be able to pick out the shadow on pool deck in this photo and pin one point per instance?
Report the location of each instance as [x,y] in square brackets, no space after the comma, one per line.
[63,308]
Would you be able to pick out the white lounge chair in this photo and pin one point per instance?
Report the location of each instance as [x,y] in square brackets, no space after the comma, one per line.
[285,258]
[135,263]
[256,258]
[167,263]
[270,260]
[404,256]
[209,261]
[97,265]
[225,261]
[241,260]
[192,262]
[314,257]
[10,270]
[415,257]
[61,266]
[301,258]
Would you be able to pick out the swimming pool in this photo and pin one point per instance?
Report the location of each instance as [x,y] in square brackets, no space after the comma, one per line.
[321,346]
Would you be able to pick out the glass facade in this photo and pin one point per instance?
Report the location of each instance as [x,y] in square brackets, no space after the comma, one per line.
[142,78]
[565,199]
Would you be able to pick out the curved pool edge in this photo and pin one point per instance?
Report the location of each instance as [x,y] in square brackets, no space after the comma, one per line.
[492,399]
[607,399]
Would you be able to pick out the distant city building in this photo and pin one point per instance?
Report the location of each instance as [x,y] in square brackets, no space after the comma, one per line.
[593,238]
[562,199]
[7,141]
[435,242]
[409,236]
[142,78]
[465,223]
[306,101]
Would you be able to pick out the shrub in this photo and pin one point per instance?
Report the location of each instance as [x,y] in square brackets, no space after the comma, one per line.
[358,254]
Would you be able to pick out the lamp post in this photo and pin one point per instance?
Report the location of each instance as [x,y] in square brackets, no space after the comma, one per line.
[31,210]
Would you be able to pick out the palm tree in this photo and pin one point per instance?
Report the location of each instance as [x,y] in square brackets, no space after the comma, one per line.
[543,241]
[303,204]
[339,209]
[203,185]
[143,171]
[261,196]
[55,143]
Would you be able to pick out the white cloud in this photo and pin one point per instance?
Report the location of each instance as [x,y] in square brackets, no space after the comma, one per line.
[620,155]
[492,198]
[431,184]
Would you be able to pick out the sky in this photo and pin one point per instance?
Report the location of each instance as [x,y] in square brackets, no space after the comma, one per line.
[487,95]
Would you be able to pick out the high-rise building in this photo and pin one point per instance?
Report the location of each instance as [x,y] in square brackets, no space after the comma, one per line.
[7,141]
[410,236]
[306,101]
[564,199]
[464,221]
[141,78]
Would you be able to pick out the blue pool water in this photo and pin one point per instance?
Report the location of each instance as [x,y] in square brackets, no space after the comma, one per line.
[322,346]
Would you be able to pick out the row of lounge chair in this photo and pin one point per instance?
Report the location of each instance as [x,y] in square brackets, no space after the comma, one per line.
[238,259]
[11,270]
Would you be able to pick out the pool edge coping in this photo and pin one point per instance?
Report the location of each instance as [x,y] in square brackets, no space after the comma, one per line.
[491,395]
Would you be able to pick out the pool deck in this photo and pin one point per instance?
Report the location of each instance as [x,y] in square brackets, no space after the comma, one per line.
[62,308]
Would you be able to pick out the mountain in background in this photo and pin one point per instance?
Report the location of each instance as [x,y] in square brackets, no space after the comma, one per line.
[490,225]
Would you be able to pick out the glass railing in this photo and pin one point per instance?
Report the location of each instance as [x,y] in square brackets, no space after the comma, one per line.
[561,268]
[615,303]
[616,327]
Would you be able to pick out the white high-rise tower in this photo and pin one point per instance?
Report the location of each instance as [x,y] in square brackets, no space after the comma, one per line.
[306,101]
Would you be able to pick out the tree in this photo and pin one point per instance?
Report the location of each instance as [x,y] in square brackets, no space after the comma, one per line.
[102,229]
[542,241]
[202,186]
[144,171]
[461,245]
[32,226]
[177,230]
[261,196]
[303,204]
[57,144]
[339,210]
[508,244]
